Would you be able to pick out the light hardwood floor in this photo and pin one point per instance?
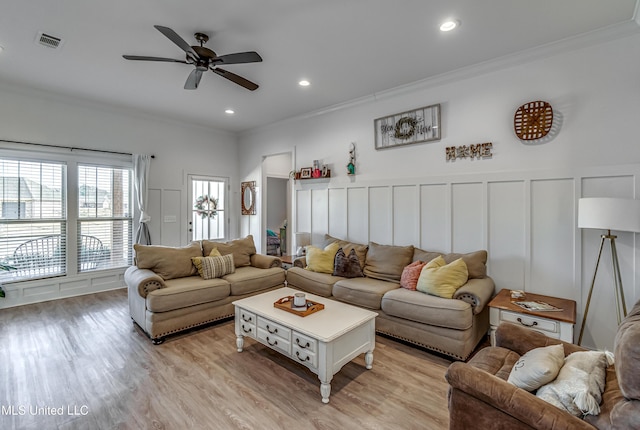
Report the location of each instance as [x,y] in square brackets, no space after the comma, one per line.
[80,363]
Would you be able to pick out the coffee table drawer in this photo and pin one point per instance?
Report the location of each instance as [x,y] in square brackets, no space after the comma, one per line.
[305,356]
[274,341]
[304,342]
[274,329]
[248,325]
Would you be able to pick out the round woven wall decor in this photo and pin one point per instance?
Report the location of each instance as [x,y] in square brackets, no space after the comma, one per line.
[533,120]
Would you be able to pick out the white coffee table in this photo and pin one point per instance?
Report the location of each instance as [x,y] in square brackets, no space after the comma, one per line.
[323,341]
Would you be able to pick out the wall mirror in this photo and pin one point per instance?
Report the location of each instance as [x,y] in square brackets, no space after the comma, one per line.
[248,198]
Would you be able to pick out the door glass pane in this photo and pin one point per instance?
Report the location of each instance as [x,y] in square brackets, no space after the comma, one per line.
[208,209]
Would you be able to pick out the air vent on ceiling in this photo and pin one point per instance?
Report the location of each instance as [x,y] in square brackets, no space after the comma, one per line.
[49,41]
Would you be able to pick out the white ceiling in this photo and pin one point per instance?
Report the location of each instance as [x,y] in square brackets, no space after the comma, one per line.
[346,48]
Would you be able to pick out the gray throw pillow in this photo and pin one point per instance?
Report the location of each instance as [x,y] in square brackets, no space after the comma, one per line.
[347,266]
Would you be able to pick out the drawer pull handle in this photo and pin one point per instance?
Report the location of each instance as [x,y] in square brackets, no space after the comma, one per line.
[533,324]
[244,318]
[245,330]
[300,358]
[275,330]
[275,342]
[301,345]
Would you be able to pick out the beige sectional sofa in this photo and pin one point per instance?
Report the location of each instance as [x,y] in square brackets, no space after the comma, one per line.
[168,295]
[450,326]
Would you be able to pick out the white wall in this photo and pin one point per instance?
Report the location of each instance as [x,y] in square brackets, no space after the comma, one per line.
[179,149]
[520,204]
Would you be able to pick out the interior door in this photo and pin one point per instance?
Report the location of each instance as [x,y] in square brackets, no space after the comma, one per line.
[207,199]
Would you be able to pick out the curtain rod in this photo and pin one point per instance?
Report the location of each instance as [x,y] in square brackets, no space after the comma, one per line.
[71,148]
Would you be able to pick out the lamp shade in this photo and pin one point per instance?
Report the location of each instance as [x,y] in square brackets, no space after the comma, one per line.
[606,213]
[303,239]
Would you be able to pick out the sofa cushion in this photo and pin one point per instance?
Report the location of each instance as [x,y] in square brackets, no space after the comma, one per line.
[476,263]
[187,291]
[242,249]
[386,262]
[214,267]
[537,367]
[423,308]
[496,361]
[361,250]
[312,282]
[411,274]
[167,261]
[426,256]
[347,266]
[627,353]
[321,260]
[363,292]
[442,280]
[248,279]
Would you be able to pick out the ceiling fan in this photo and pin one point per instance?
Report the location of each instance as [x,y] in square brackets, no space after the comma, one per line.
[204,59]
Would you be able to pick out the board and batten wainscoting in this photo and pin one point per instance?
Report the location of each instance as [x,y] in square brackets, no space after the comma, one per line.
[527,221]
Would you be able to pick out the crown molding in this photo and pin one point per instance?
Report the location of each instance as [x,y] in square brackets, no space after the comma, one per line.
[592,38]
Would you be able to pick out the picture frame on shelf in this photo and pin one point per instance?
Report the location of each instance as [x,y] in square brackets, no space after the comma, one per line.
[305,173]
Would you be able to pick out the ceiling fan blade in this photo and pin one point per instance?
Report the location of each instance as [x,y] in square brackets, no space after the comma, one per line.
[175,38]
[142,58]
[236,79]
[238,58]
[193,80]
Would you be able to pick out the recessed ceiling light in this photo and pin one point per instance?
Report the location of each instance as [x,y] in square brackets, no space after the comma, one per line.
[229,111]
[449,25]
[304,83]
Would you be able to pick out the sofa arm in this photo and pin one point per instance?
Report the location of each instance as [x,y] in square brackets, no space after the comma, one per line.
[476,292]
[143,281]
[262,261]
[300,262]
[521,339]
[508,399]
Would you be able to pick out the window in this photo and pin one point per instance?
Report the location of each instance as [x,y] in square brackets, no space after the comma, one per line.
[33,219]
[104,217]
[208,215]
[36,238]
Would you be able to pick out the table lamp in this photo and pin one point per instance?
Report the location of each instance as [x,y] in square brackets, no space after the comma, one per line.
[302,240]
[605,213]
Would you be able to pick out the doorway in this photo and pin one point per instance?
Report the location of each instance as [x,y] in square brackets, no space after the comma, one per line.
[276,201]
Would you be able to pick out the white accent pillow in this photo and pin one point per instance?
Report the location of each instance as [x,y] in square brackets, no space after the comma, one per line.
[580,383]
[537,367]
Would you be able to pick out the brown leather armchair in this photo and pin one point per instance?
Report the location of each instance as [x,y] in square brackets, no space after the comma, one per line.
[481,397]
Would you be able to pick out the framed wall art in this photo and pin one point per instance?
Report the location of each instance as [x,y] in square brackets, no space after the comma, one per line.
[406,128]
[305,172]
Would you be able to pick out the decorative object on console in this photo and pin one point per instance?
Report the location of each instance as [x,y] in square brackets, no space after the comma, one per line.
[302,240]
[533,120]
[606,213]
[415,126]
[316,172]
[478,151]
[351,167]
[248,197]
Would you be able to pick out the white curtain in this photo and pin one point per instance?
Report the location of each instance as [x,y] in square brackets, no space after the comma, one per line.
[141,165]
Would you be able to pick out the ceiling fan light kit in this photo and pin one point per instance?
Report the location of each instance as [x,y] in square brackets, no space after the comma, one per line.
[203,59]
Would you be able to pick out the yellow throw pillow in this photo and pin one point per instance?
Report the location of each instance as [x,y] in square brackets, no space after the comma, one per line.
[321,260]
[197,261]
[440,279]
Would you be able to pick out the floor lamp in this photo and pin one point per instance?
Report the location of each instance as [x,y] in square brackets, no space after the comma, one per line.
[605,213]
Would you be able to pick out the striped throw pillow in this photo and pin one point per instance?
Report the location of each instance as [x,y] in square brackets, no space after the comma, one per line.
[214,267]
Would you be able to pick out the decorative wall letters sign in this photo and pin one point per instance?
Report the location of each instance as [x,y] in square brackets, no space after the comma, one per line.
[478,151]
[415,126]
